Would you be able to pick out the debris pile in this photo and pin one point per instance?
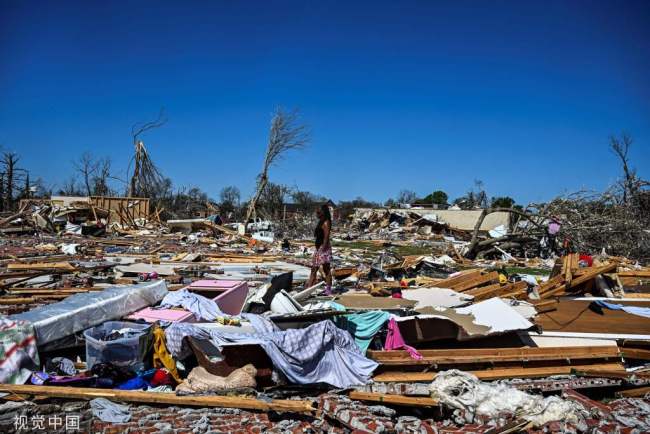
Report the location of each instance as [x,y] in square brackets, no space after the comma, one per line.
[119,321]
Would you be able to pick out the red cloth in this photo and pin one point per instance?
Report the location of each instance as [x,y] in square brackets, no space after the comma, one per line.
[587,259]
[162,378]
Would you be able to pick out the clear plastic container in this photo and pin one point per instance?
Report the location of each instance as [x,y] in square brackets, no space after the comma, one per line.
[132,352]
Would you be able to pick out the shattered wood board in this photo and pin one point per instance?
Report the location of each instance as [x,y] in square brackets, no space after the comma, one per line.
[499,373]
[496,355]
[554,341]
[575,316]
[60,266]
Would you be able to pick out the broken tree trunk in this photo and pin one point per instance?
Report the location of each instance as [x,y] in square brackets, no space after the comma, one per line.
[475,245]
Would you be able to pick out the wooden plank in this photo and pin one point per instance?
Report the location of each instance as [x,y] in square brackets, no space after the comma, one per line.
[47,291]
[592,274]
[567,268]
[632,295]
[635,353]
[635,273]
[544,305]
[446,283]
[586,276]
[638,392]
[33,299]
[411,401]
[477,281]
[550,284]
[523,353]
[491,355]
[495,374]
[579,280]
[576,316]
[58,266]
[159,398]
[511,290]
[612,374]
[483,290]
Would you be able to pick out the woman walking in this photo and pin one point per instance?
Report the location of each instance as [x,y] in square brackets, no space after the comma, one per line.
[323,253]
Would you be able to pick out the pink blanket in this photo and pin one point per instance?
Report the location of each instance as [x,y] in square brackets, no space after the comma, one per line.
[394,341]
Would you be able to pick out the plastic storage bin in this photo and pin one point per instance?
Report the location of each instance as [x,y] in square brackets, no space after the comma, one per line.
[131,352]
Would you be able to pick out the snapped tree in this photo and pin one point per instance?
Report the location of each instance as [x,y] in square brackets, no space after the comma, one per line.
[146,178]
[286,133]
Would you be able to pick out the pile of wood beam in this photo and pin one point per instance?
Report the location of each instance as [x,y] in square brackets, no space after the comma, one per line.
[570,277]
[567,278]
[483,285]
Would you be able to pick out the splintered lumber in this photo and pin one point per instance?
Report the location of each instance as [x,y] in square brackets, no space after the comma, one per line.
[575,261]
[52,291]
[542,306]
[477,281]
[393,399]
[501,373]
[591,274]
[575,316]
[638,392]
[497,374]
[509,290]
[56,266]
[568,272]
[483,290]
[594,372]
[32,299]
[635,273]
[159,398]
[448,282]
[635,353]
[490,355]
[550,285]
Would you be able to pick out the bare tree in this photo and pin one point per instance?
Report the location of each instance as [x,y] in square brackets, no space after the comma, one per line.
[272,199]
[86,166]
[27,189]
[102,175]
[306,201]
[480,195]
[70,187]
[11,175]
[406,196]
[229,199]
[286,133]
[146,178]
[621,147]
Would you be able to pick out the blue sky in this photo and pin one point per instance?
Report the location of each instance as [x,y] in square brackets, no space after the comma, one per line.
[420,95]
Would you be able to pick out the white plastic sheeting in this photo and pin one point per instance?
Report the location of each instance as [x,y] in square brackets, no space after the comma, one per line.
[464,391]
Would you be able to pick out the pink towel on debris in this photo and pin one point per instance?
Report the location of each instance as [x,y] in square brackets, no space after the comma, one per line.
[394,341]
